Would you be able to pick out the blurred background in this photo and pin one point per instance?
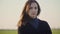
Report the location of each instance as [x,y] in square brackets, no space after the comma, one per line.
[10,11]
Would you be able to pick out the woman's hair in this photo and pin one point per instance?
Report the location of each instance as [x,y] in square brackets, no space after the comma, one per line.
[25,16]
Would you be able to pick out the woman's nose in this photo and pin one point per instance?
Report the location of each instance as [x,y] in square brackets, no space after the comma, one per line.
[33,10]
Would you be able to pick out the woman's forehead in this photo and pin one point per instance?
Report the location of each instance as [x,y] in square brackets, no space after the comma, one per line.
[33,4]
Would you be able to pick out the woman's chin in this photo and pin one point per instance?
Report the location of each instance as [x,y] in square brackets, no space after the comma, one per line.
[33,17]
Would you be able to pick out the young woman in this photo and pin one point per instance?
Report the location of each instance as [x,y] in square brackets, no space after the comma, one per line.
[29,23]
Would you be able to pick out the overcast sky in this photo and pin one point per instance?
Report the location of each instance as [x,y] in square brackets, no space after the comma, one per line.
[10,11]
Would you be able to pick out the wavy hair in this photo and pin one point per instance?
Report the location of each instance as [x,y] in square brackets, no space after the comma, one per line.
[24,16]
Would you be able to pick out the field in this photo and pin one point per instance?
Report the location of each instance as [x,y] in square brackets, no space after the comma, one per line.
[54,31]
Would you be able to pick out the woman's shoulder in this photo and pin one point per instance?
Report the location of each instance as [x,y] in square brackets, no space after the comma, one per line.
[43,22]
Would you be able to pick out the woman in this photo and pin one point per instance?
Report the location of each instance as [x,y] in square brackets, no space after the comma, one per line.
[29,23]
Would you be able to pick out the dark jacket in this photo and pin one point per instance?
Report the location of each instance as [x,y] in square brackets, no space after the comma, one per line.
[43,28]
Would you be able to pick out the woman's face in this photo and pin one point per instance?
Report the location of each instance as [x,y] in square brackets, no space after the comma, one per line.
[33,10]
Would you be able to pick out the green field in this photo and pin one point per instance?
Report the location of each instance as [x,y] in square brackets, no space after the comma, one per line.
[54,31]
[8,31]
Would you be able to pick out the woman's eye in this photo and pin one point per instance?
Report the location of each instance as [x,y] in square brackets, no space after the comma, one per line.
[35,7]
[30,8]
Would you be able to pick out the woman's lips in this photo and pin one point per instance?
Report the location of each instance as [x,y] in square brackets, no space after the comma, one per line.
[33,13]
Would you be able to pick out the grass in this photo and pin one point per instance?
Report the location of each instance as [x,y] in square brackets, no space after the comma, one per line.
[54,31]
[8,32]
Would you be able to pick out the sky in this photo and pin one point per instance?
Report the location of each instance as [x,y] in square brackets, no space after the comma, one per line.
[10,11]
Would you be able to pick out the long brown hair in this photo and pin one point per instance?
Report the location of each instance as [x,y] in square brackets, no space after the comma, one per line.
[24,15]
